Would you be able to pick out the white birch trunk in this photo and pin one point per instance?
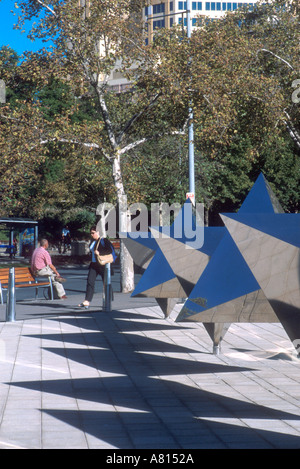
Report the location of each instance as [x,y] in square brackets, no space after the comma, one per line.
[126,261]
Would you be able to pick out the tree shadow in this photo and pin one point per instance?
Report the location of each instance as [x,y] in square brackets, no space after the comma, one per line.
[148,403]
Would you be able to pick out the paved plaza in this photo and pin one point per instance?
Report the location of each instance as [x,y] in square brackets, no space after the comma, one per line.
[131,379]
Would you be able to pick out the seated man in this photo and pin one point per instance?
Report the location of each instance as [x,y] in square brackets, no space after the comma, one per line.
[41,266]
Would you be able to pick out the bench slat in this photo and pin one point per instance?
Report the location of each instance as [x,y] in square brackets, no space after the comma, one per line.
[25,284]
[23,279]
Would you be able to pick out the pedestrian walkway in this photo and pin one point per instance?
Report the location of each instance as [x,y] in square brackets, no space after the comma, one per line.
[131,379]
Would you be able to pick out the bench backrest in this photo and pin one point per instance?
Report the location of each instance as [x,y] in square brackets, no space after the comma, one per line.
[22,275]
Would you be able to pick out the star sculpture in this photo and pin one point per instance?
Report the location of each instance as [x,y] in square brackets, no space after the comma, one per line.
[246,271]
[175,265]
[270,246]
[171,266]
[253,275]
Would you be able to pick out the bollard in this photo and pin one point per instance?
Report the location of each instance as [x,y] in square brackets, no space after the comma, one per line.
[107,289]
[11,300]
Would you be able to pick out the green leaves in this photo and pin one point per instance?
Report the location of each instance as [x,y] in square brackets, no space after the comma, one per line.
[236,73]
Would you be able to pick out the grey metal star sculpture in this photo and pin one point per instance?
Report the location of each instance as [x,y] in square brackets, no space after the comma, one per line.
[253,275]
[175,265]
[232,277]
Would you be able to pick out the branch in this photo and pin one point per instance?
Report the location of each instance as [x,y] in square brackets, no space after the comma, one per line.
[74,142]
[64,140]
[132,145]
[131,121]
[277,57]
[291,129]
[47,7]
[106,118]
[135,144]
[15,119]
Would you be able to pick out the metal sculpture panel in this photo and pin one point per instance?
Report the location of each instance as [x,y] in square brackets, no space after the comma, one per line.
[246,271]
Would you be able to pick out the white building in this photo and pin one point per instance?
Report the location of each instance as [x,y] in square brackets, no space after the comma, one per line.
[164,14]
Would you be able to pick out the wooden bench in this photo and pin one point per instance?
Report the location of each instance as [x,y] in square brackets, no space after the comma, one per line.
[24,279]
[115,243]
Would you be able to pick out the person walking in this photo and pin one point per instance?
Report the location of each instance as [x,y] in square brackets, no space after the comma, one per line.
[66,239]
[97,245]
[41,266]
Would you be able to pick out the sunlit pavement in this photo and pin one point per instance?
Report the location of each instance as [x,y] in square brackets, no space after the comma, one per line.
[131,379]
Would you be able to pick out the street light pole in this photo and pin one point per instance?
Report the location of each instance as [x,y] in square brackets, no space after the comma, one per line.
[190,111]
[191,126]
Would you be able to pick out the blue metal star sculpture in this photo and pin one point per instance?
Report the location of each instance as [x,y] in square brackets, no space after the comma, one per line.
[253,275]
[270,245]
[246,271]
[227,280]
[175,266]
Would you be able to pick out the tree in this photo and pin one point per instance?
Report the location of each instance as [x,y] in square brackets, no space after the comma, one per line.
[238,73]
[157,171]
[275,26]
[88,42]
[230,70]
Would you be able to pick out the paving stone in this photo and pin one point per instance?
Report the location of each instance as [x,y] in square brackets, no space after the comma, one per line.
[131,379]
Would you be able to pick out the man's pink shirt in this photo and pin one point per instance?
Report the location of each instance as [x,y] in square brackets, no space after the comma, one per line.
[40,259]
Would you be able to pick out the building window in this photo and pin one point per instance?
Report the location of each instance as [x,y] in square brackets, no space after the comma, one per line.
[171,6]
[197,6]
[184,21]
[181,5]
[218,6]
[196,21]
[160,8]
[207,6]
[158,24]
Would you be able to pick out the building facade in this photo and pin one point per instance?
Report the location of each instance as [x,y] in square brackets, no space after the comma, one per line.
[165,14]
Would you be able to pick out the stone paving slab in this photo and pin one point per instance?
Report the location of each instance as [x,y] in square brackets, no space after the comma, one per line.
[131,379]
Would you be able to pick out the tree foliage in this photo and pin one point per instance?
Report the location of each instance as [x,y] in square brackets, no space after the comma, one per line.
[238,73]
[78,142]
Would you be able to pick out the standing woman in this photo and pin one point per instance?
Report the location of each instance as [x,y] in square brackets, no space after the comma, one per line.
[98,246]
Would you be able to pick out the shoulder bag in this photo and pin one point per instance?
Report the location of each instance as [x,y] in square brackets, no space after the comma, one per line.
[103,259]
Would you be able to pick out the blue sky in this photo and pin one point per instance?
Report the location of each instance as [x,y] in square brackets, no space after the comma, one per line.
[8,36]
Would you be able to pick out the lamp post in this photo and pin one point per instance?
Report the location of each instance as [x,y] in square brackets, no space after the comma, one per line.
[190,126]
[190,111]
[11,300]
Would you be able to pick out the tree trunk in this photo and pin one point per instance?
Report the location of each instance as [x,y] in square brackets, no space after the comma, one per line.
[126,261]
[126,269]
